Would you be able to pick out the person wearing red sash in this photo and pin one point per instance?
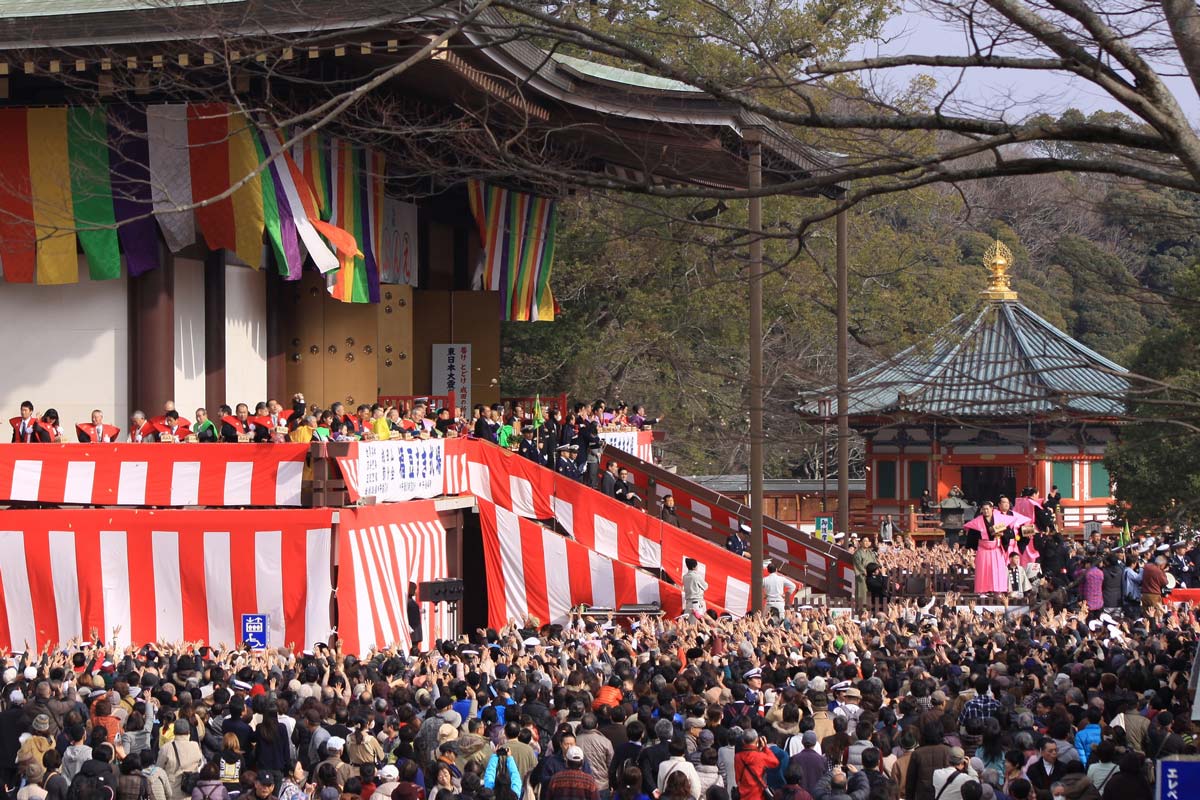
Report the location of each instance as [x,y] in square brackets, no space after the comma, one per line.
[279,418]
[97,431]
[340,415]
[244,424]
[48,428]
[173,425]
[139,429]
[24,425]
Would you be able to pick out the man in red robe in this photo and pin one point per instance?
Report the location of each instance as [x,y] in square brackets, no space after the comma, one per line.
[172,425]
[97,431]
[25,426]
[139,429]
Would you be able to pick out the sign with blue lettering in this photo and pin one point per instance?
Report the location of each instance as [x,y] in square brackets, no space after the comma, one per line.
[1179,778]
[254,631]
[824,527]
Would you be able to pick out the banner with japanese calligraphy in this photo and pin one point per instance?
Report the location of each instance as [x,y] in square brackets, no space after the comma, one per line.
[452,373]
[392,471]
[398,261]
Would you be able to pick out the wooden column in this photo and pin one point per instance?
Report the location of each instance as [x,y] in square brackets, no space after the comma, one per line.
[152,337]
[214,332]
[756,377]
[278,306]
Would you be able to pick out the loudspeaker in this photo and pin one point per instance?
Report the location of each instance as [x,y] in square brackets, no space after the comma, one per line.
[447,591]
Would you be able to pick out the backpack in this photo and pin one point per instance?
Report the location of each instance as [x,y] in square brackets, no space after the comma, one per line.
[92,787]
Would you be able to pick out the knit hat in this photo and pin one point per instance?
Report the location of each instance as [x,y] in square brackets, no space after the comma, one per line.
[41,724]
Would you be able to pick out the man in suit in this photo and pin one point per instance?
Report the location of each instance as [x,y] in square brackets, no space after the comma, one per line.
[1046,771]
[608,482]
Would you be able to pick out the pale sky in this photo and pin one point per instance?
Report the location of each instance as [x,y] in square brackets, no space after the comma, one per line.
[912,32]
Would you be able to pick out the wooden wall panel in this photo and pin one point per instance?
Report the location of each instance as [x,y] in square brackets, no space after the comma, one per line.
[431,324]
[441,257]
[351,329]
[394,356]
[476,319]
[306,330]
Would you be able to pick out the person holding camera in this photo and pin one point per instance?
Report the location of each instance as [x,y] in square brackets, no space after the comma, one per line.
[750,765]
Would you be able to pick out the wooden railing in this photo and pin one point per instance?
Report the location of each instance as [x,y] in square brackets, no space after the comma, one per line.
[817,564]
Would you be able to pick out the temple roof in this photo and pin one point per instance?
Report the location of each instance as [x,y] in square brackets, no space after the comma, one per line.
[1005,361]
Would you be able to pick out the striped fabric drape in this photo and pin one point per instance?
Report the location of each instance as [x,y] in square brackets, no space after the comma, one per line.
[517,231]
[111,176]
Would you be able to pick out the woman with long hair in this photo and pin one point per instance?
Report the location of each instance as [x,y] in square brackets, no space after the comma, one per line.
[629,785]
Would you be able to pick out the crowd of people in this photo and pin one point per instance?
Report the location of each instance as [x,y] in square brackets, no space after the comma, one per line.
[569,442]
[940,702]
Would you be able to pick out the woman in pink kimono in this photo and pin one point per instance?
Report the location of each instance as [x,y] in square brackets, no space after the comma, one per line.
[991,571]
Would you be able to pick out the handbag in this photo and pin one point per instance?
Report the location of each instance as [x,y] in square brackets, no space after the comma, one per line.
[766,790]
[187,780]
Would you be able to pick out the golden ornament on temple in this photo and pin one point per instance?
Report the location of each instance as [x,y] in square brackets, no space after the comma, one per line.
[998,260]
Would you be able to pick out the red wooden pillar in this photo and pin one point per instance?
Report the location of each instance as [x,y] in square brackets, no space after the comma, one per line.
[152,337]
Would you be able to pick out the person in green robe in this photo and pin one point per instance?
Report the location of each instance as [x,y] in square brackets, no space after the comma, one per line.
[205,429]
[863,556]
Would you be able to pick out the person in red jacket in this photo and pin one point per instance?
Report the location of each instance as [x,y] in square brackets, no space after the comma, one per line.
[750,766]
[609,694]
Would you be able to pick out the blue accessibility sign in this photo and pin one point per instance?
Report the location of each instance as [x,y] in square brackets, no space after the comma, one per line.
[1178,778]
[254,631]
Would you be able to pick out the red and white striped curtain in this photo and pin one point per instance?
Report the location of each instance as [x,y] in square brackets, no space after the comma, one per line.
[163,576]
[535,573]
[380,550]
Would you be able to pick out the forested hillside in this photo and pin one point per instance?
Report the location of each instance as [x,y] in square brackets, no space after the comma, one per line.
[654,298]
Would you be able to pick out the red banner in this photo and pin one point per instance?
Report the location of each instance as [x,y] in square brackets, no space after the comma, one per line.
[266,475]
[537,574]
[381,549]
[163,575]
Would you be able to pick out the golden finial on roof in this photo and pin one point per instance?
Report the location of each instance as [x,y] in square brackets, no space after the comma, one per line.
[998,260]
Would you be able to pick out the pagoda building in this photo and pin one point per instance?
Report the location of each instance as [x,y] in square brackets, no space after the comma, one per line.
[997,401]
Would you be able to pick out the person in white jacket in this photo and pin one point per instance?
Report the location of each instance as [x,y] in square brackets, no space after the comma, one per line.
[677,762]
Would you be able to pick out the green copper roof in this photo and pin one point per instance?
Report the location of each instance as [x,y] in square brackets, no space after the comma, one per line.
[1006,361]
[625,77]
[58,8]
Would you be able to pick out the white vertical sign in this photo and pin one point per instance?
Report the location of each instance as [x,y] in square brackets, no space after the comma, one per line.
[452,373]
[398,259]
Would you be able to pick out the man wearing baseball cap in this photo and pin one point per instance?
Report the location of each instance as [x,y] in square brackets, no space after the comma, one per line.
[948,781]
[572,783]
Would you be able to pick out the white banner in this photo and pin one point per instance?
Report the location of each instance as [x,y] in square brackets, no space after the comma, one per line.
[398,259]
[626,441]
[452,373]
[401,470]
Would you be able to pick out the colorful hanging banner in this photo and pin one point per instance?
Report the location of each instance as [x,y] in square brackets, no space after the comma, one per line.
[114,176]
[518,232]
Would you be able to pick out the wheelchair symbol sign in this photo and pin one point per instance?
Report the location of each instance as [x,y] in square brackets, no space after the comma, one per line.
[254,631]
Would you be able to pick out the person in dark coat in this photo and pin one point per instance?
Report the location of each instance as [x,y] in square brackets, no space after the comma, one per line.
[414,619]
[1046,770]
[1129,782]
[13,723]
[1114,578]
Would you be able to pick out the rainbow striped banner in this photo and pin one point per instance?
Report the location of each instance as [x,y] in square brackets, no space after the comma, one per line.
[518,232]
[103,176]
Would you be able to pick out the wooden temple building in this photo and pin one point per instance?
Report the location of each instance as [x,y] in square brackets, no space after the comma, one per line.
[997,401]
[191,312]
